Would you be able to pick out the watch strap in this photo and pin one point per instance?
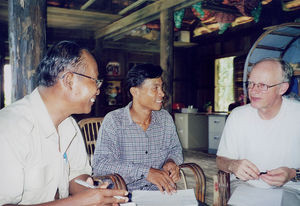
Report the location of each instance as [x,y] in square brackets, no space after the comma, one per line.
[297,177]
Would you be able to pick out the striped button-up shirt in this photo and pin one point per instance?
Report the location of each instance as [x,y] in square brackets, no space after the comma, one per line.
[123,147]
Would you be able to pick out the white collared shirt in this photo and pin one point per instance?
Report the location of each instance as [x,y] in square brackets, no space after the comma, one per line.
[32,167]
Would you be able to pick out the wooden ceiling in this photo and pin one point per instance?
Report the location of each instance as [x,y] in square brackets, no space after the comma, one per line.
[114,20]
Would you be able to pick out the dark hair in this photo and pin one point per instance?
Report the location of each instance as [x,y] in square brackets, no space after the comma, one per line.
[59,57]
[137,74]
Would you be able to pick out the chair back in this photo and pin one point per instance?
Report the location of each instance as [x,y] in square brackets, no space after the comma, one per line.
[89,128]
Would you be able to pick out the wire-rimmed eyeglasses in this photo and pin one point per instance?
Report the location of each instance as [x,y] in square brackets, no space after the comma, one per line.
[97,81]
[261,86]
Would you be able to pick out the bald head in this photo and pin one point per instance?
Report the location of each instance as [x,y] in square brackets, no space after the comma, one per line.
[284,69]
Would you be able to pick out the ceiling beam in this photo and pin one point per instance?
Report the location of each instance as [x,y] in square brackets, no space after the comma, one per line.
[142,16]
[132,6]
[131,46]
[87,4]
[76,19]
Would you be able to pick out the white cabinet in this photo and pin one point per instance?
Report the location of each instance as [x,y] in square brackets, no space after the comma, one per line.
[216,123]
[192,130]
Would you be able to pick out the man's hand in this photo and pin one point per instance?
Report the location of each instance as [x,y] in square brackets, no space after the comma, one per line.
[172,169]
[100,197]
[162,180]
[244,169]
[279,176]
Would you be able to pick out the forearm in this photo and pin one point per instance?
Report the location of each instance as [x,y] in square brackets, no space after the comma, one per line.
[177,158]
[224,164]
[175,151]
[76,188]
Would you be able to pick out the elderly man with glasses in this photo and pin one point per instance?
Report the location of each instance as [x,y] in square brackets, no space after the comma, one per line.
[42,150]
[260,144]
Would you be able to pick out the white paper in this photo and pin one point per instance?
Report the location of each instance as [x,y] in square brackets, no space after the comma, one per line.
[150,198]
[247,195]
[128,204]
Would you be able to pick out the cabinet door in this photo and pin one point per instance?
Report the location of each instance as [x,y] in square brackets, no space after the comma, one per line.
[216,125]
[181,122]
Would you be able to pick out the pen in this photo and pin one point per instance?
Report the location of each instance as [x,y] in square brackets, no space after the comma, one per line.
[85,184]
[262,173]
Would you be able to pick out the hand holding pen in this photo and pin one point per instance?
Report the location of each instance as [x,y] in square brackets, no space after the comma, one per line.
[89,184]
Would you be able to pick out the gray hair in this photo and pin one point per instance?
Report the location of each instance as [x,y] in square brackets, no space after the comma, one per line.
[287,69]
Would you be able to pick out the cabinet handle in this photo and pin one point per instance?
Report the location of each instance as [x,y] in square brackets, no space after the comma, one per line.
[216,121]
[180,131]
[216,137]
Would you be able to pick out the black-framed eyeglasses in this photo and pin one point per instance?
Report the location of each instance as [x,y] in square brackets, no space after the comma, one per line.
[98,81]
[261,86]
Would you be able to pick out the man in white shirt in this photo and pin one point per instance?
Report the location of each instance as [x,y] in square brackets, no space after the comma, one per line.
[261,140]
[41,148]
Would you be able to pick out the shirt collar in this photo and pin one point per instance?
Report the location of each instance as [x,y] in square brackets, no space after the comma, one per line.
[154,115]
[45,124]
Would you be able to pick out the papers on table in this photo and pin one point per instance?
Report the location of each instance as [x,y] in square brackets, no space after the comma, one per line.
[150,198]
[128,204]
[248,195]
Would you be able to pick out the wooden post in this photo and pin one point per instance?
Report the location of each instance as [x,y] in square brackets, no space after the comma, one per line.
[27,43]
[167,54]
[2,62]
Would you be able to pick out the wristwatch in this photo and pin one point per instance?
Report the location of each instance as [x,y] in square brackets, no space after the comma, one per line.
[297,177]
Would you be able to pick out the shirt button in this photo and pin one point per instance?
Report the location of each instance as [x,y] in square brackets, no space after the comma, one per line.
[146,152]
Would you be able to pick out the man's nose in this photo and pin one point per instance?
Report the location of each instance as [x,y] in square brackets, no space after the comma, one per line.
[161,93]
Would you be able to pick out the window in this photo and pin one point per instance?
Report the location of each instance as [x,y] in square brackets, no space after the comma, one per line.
[7,84]
[224,93]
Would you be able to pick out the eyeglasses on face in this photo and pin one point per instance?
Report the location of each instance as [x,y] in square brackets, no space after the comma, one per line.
[98,81]
[260,86]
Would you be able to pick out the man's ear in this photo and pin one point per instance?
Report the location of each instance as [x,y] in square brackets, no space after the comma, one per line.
[133,91]
[68,80]
[283,88]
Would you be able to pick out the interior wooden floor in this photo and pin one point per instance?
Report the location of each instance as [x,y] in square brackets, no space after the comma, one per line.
[208,163]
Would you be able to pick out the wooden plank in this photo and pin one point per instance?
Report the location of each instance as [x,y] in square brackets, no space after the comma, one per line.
[65,14]
[87,4]
[142,16]
[70,18]
[132,6]
[131,46]
[2,62]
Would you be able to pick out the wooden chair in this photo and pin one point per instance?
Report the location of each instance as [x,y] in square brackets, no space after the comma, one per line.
[199,182]
[221,188]
[90,128]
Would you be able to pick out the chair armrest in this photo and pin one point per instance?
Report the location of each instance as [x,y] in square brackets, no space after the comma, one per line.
[117,180]
[221,188]
[199,179]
